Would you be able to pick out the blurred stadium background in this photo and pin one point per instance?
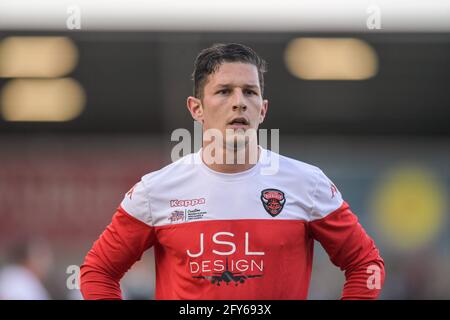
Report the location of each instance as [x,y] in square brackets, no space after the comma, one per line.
[84,113]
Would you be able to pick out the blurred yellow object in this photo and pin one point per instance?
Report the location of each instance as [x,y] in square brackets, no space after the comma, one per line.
[331,59]
[43,57]
[42,100]
[409,206]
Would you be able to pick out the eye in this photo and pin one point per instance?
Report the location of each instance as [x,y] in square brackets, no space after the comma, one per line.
[223,91]
[250,92]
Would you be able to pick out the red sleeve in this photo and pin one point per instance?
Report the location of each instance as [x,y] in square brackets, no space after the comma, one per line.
[118,248]
[351,249]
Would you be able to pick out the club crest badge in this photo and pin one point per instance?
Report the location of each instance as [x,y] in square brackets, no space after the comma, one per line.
[273,201]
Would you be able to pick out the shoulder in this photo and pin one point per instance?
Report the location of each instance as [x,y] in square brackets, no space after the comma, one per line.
[136,201]
[298,166]
[293,168]
[171,171]
[323,194]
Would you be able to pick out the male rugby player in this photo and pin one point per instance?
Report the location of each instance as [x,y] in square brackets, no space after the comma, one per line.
[226,229]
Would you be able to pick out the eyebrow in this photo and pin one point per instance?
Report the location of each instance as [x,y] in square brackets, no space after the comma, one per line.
[226,85]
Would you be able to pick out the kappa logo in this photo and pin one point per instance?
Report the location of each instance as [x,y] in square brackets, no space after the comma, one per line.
[273,201]
[334,190]
[130,192]
[187,203]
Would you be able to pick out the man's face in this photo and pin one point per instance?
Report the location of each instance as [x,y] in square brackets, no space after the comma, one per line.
[231,100]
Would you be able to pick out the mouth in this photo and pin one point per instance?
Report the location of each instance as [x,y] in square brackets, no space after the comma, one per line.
[238,123]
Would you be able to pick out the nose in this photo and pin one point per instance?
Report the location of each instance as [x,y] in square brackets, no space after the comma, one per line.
[236,107]
[239,101]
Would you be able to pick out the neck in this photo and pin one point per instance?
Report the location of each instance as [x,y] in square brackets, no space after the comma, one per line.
[219,162]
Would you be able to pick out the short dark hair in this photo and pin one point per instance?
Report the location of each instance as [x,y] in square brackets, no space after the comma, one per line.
[210,59]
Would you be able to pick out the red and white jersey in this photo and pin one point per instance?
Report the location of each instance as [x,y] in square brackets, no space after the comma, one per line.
[247,235]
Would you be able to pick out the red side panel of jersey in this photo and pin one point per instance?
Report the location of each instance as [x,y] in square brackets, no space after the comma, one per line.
[118,248]
[350,248]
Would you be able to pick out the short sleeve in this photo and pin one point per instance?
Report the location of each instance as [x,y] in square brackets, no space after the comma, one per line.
[136,203]
[326,197]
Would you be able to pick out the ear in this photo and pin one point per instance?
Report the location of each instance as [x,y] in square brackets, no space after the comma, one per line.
[263,112]
[195,107]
